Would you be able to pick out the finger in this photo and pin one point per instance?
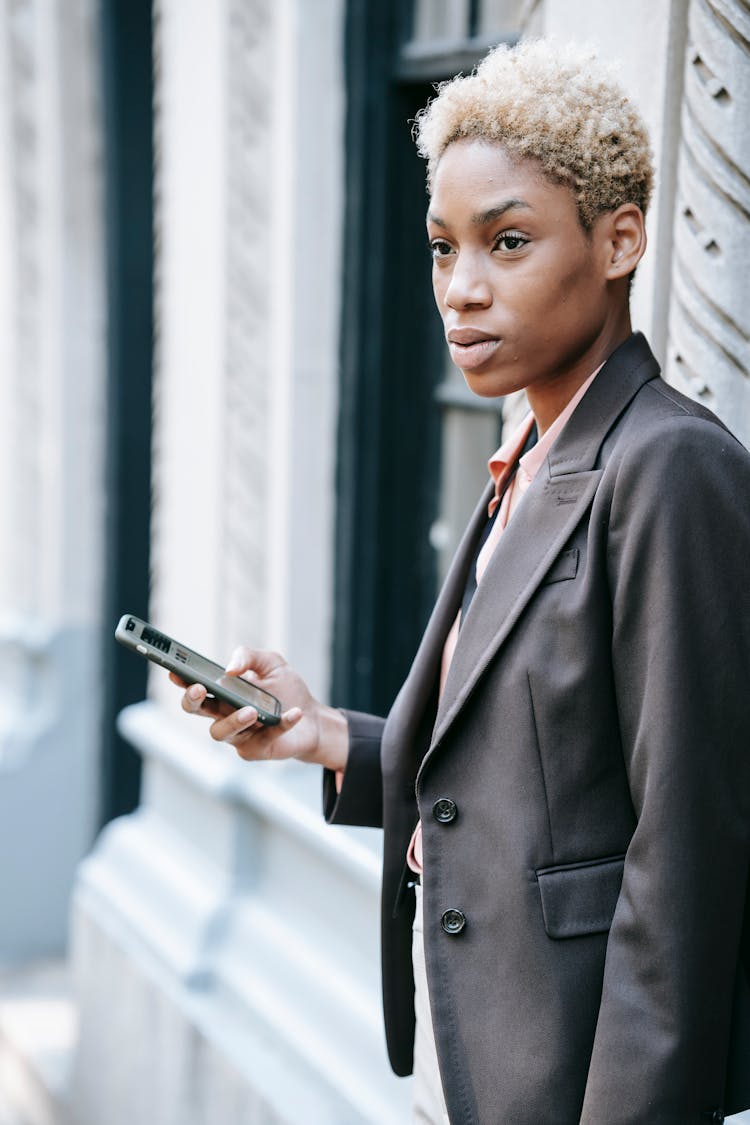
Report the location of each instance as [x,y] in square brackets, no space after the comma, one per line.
[176,680]
[196,701]
[195,695]
[259,743]
[228,727]
[256,661]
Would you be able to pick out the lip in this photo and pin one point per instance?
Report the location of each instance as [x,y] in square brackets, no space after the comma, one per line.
[470,348]
[468,336]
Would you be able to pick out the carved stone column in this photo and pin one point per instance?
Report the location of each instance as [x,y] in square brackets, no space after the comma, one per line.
[710,314]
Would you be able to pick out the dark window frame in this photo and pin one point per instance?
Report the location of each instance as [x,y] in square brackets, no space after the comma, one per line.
[391,356]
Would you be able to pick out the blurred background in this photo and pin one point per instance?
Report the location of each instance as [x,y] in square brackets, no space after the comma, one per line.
[219,363]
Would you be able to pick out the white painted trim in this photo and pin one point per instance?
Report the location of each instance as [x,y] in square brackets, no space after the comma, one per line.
[262,789]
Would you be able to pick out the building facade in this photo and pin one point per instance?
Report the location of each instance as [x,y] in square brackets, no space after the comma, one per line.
[219,361]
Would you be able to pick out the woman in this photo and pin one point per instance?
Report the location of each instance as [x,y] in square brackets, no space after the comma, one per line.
[564,774]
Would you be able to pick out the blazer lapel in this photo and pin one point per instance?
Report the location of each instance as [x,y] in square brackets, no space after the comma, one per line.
[419,687]
[555,503]
[529,545]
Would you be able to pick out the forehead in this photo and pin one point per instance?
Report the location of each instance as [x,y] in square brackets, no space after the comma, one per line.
[476,177]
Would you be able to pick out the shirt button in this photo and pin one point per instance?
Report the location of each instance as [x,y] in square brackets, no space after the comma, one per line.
[453,922]
[444,810]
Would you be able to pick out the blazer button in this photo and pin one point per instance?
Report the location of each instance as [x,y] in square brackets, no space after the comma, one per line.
[453,922]
[444,810]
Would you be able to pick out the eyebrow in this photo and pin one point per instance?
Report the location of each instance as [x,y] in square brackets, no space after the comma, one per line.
[481,218]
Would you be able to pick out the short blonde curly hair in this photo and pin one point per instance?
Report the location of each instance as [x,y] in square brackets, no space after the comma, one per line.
[558,105]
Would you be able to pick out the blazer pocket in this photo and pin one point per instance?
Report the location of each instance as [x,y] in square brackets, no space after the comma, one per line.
[564,567]
[580,898]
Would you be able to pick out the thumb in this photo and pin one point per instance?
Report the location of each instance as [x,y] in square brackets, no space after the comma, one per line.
[245,659]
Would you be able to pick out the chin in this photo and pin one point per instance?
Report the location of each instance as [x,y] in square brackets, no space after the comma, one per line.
[489,386]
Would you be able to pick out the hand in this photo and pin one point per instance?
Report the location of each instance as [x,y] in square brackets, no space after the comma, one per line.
[309,731]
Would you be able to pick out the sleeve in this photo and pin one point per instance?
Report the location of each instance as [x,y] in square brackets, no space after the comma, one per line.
[360,800]
[679,545]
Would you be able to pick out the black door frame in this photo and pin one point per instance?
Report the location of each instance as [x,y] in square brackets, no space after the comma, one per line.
[126,44]
[387,433]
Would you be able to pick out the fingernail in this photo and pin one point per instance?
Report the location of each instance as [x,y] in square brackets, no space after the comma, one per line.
[293,714]
[246,714]
[195,692]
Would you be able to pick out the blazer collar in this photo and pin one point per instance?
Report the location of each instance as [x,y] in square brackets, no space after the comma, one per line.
[622,376]
[555,503]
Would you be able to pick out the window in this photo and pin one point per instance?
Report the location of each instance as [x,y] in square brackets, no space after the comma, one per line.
[409,473]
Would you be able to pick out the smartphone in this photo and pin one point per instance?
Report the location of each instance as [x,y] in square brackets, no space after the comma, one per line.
[196,669]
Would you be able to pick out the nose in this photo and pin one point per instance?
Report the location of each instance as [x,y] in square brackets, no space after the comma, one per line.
[468,286]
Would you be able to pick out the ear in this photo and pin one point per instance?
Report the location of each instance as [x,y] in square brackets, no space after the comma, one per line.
[625,240]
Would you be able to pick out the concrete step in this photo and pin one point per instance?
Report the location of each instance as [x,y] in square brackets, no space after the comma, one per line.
[38,1030]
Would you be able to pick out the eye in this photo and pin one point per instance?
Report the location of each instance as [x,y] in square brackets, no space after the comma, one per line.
[439,248]
[509,240]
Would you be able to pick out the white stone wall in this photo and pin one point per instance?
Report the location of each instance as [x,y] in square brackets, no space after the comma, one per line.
[225,940]
[249,217]
[52,372]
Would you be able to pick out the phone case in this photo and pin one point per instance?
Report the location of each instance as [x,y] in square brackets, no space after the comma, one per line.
[193,668]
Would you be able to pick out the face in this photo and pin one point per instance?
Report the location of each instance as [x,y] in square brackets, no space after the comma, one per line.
[521,287]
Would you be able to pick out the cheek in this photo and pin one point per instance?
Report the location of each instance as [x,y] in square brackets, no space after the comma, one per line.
[439,286]
[571,291]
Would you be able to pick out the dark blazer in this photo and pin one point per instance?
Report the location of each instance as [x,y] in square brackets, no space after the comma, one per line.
[586,871]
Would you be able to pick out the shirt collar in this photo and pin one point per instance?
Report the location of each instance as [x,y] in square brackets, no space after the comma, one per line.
[501,463]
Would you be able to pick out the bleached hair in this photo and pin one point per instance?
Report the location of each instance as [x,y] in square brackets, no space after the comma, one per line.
[558,105]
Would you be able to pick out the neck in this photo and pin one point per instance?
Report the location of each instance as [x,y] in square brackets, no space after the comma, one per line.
[549,399]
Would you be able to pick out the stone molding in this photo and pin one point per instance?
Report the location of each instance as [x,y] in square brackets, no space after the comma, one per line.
[710,315]
[230,899]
